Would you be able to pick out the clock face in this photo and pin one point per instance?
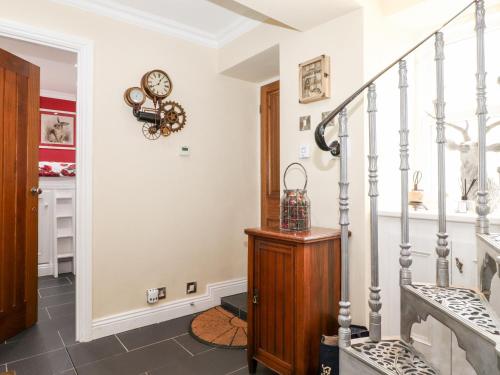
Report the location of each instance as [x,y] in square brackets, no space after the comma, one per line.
[157,83]
[134,96]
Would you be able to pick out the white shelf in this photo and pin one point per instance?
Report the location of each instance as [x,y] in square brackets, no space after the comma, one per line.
[65,216]
[66,255]
[65,233]
[62,196]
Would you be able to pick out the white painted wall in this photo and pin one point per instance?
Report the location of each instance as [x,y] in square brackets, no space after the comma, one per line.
[161,219]
[342,40]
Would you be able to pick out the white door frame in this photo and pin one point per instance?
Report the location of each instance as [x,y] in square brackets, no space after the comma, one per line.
[84,49]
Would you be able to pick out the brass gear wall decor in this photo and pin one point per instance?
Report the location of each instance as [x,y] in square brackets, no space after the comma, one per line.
[151,131]
[163,117]
[175,116]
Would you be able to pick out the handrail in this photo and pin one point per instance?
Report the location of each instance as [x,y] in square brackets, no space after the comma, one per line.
[320,129]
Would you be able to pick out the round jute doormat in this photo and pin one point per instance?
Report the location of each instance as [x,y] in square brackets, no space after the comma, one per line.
[218,327]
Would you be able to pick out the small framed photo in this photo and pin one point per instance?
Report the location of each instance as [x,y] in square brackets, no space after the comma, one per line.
[314,79]
[57,130]
[305,123]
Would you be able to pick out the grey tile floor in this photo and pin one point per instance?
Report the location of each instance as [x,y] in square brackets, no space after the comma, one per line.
[49,347]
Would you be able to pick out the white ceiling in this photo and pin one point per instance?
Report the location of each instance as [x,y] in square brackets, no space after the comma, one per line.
[258,68]
[208,22]
[302,14]
[58,72]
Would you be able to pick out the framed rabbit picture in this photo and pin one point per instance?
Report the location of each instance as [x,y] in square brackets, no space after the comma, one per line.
[57,130]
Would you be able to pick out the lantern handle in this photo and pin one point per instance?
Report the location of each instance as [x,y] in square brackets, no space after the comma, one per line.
[286,171]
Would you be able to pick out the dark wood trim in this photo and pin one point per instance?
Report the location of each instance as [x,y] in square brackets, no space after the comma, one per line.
[269,159]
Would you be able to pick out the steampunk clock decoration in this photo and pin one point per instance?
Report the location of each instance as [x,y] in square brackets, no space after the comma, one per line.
[164,117]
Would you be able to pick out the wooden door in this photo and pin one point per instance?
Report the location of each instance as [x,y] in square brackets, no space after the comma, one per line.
[19,124]
[270,154]
[275,308]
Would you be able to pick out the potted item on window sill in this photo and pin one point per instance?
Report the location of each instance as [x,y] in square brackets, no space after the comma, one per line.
[465,204]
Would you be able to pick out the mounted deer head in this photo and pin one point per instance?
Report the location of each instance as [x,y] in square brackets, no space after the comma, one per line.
[469,151]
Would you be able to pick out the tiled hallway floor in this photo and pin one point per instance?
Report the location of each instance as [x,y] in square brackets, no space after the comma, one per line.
[49,348]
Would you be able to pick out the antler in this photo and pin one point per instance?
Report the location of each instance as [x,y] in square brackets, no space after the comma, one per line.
[465,132]
[491,126]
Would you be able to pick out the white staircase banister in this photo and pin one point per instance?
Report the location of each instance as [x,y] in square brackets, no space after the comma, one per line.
[374,302]
[442,264]
[405,253]
[345,304]
[482,207]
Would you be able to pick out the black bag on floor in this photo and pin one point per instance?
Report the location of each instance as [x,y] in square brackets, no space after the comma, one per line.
[329,351]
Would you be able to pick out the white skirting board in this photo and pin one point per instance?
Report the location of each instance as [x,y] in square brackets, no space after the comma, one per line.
[122,322]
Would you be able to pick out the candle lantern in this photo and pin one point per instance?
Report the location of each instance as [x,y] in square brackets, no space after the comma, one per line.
[295,206]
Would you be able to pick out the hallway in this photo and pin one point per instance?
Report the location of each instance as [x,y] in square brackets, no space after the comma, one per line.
[49,347]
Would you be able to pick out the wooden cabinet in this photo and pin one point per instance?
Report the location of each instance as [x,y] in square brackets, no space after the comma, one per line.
[293,296]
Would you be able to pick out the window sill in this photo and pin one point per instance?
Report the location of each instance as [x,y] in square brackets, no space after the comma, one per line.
[433,215]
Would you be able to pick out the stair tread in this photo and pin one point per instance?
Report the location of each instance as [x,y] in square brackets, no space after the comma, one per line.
[493,239]
[464,303]
[392,356]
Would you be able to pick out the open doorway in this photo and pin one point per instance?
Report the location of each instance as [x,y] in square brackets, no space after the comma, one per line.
[77,54]
[50,209]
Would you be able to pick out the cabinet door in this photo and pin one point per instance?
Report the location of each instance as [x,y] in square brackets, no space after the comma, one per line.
[274,311]
[44,227]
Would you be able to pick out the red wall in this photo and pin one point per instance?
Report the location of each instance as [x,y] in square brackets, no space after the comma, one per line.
[63,156]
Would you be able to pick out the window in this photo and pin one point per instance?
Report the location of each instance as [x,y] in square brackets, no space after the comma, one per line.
[461,130]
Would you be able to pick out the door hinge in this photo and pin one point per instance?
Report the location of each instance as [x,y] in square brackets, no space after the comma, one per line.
[260,108]
[255,299]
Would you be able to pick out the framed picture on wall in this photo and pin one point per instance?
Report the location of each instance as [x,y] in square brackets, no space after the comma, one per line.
[314,79]
[57,130]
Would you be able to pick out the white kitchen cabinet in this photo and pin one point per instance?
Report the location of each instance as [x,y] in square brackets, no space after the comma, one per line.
[56,225]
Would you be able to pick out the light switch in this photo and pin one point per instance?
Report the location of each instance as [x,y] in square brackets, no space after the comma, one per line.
[184,151]
[304,151]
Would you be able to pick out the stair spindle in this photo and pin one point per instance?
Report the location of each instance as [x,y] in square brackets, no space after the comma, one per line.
[482,208]
[374,302]
[405,259]
[345,305]
[442,272]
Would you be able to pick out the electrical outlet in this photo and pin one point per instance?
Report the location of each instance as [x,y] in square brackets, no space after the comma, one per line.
[191,287]
[152,295]
[162,292]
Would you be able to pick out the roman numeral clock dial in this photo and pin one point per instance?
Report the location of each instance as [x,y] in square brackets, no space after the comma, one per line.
[157,85]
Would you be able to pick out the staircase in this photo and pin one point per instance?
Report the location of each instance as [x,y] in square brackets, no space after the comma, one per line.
[465,311]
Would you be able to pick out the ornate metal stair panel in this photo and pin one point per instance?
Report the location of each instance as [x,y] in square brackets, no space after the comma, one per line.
[390,356]
[466,312]
[488,249]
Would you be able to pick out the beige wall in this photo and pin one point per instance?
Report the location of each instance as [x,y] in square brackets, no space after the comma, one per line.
[342,40]
[161,219]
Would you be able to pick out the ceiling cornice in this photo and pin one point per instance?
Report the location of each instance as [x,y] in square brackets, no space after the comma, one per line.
[161,24]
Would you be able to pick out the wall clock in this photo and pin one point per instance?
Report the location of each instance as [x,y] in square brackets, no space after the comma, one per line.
[166,117]
[156,84]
